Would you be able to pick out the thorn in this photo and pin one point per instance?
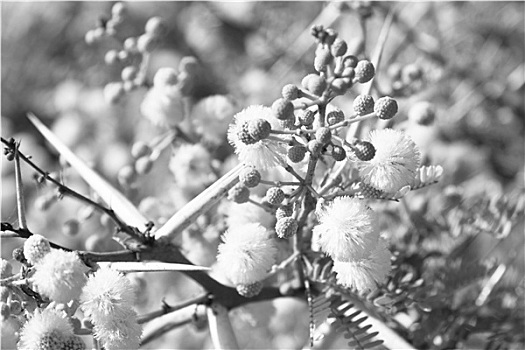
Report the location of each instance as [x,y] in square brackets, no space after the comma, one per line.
[19,191]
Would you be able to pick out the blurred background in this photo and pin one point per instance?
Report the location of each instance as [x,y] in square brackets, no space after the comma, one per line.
[463,59]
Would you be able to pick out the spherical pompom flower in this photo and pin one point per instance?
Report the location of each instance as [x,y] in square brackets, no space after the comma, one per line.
[35,248]
[45,330]
[246,254]
[364,274]
[395,162]
[191,168]
[60,276]
[346,229]
[107,299]
[163,106]
[262,154]
[211,117]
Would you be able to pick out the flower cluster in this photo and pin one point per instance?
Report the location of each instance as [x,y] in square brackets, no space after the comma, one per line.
[262,153]
[107,299]
[347,232]
[247,254]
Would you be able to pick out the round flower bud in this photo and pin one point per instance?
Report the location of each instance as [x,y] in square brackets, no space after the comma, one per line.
[315,147]
[296,153]
[90,38]
[335,116]
[348,72]
[6,269]
[111,57]
[154,26]
[363,105]
[283,109]
[338,153]
[35,248]
[307,117]
[259,129]
[143,165]
[330,36]
[350,61]
[244,136]
[239,193]
[123,56]
[316,85]
[130,44]
[274,196]
[290,92]
[118,9]
[146,43]
[113,92]
[364,71]
[284,211]
[126,176]
[340,85]
[70,227]
[339,47]
[323,135]
[129,73]
[18,254]
[140,149]
[422,113]
[385,108]
[165,77]
[286,227]
[304,82]
[368,191]
[364,150]
[249,290]
[250,177]
[322,59]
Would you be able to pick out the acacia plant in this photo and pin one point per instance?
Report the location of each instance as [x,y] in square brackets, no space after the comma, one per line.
[319,204]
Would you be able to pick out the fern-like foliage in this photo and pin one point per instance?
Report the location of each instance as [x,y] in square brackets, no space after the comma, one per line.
[352,322]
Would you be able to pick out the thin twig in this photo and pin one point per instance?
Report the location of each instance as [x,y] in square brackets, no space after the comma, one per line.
[20,201]
[166,309]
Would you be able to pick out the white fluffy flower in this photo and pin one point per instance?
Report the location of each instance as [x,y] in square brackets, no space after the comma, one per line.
[163,106]
[48,326]
[35,248]
[245,213]
[364,274]
[395,163]
[246,254]
[191,167]
[107,299]
[346,229]
[122,332]
[211,117]
[60,276]
[105,294]
[262,154]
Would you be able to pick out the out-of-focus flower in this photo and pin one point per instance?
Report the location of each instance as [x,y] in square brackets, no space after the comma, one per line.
[246,213]
[48,329]
[262,154]
[211,117]
[35,248]
[346,229]
[191,167]
[6,269]
[60,276]
[363,274]
[246,254]
[107,299]
[395,163]
[163,105]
